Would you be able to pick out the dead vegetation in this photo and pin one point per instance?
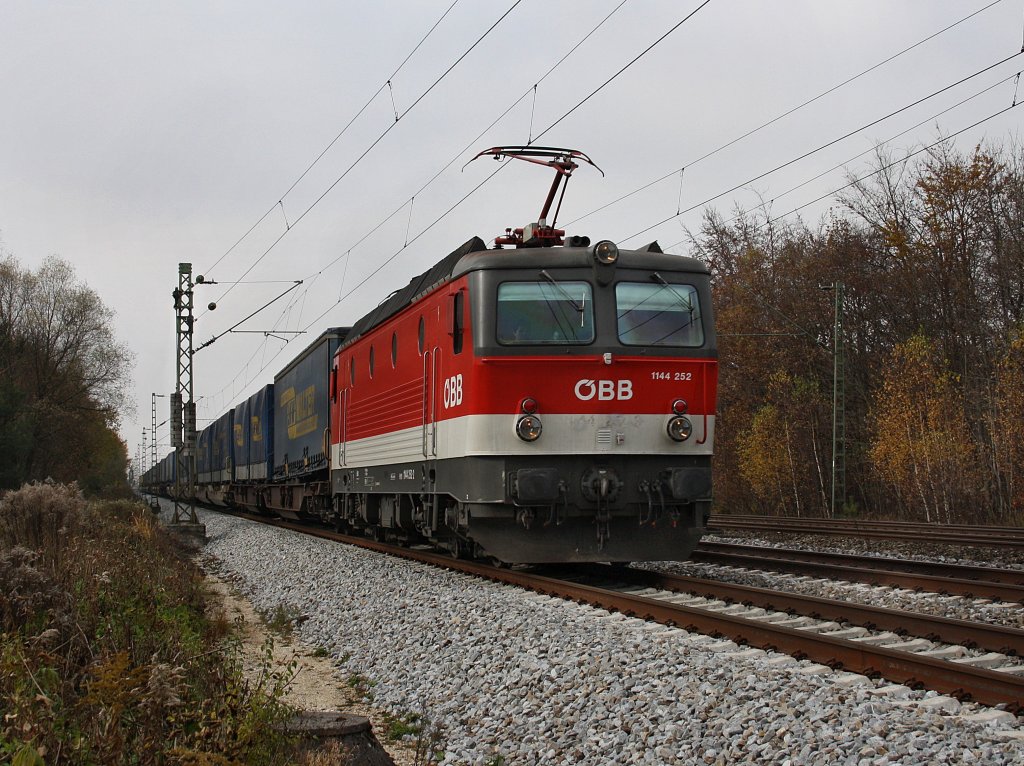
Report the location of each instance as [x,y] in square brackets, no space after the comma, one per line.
[106,653]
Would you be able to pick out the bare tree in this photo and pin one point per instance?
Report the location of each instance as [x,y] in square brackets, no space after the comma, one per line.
[66,376]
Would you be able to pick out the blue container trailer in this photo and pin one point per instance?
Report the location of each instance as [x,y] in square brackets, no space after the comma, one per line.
[301,415]
[253,449]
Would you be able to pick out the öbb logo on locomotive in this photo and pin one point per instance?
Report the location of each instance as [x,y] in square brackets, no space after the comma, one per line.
[603,359]
[604,390]
[453,391]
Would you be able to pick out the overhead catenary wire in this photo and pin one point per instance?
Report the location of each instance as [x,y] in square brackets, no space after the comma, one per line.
[821,147]
[889,165]
[615,76]
[785,114]
[857,156]
[550,70]
[472,143]
[527,93]
[335,140]
[372,98]
[770,221]
[533,90]
[398,252]
[259,350]
[250,316]
[379,138]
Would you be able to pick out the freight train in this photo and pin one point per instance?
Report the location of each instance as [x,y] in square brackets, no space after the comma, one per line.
[545,400]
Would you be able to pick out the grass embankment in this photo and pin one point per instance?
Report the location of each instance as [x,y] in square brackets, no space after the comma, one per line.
[107,654]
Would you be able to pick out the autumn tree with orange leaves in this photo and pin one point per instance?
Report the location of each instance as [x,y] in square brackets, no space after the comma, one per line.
[932,256]
[922,448]
[1008,430]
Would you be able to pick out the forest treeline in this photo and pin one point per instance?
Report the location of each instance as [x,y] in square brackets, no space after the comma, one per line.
[931,254]
[63,381]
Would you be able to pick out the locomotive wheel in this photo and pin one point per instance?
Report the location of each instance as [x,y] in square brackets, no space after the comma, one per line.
[461,549]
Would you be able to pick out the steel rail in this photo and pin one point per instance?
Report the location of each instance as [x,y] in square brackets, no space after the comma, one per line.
[884,563]
[996,537]
[932,583]
[982,685]
[879,523]
[922,535]
[995,638]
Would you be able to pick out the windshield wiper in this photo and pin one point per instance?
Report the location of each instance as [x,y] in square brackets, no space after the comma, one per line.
[579,307]
[562,290]
[684,302]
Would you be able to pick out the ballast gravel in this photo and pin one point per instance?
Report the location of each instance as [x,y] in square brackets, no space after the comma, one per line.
[516,678]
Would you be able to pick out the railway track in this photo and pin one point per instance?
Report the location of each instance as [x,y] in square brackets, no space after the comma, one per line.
[884,563]
[899,623]
[671,600]
[950,534]
[972,582]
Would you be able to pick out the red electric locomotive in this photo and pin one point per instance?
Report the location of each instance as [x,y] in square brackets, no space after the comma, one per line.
[554,402]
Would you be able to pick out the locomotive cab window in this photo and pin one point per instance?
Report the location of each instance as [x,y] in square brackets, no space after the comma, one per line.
[658,315]
[458,321]
[537,313]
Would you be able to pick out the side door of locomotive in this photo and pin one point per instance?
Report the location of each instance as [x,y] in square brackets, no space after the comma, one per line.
[453,348]
[445,339]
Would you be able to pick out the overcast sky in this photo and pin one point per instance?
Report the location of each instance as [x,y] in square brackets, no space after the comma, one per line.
[136,135]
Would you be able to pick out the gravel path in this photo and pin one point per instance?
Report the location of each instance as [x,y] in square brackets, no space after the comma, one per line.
[516,678]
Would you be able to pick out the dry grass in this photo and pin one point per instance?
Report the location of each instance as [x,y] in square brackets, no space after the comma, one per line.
[106,654]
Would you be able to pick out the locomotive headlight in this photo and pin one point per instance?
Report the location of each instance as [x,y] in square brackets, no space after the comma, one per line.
[528,428]
[606,252]
[680,428]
